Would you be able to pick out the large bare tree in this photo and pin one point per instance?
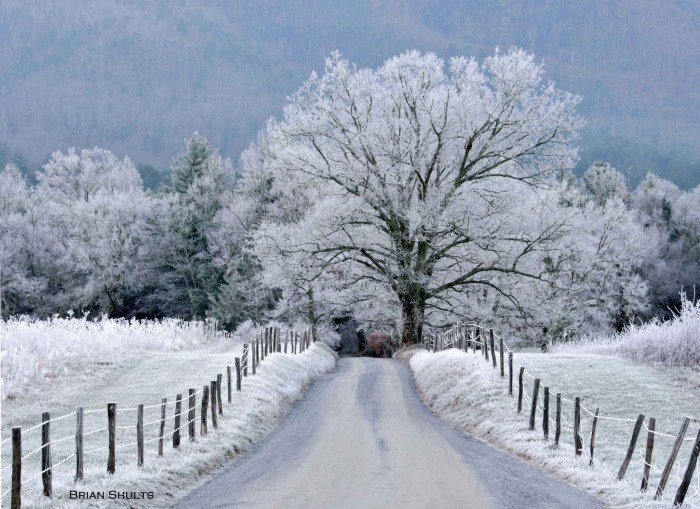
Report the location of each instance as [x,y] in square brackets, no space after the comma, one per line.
[422,183]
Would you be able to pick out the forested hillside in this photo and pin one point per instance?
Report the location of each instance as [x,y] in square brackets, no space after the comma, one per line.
[137,77]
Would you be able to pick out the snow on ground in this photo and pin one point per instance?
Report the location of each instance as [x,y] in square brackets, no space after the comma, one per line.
[145,377]
[469,394]
[35,350]
[673,343]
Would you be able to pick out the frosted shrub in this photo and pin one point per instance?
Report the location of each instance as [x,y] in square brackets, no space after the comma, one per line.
[44,348]
[673,343]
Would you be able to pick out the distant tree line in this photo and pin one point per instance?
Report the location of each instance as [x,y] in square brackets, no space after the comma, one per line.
[406,197]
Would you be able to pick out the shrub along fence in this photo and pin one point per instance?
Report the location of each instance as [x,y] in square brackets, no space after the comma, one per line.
[207,401]
[473,336]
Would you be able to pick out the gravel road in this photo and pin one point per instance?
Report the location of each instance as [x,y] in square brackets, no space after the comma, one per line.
[361,438]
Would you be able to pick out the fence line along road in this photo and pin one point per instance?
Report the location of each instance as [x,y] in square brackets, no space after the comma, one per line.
[466,336]
[266,342]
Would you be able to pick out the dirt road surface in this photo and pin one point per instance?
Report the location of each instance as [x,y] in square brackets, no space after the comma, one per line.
[361,438]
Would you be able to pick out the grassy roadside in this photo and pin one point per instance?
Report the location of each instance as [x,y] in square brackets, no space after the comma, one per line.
[146,378]
[469,394]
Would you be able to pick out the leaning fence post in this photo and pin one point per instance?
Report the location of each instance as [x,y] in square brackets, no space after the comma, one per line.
[161,432]
[219,378]
[630,449]
[545,414]
[533,407]
[593,429]
[520,389]
[205,405]
[192,415]
[229,383]
[212,393]
[672,458]
[178,413]
[139,435]
[246,356]
[16,500]
[238,374]
[647,455]
[557,421]
[46,453]
[578,443]
[79,443]
[493,347]
[112,436]
[510,373]
[690,469]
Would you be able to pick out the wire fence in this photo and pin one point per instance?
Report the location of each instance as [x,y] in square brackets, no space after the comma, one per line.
[473,337]
[206,401]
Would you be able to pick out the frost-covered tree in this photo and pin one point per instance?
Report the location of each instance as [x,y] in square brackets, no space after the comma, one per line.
[604,182]
[24,246]
[662,207]
[418,175]
[185,278]
[95,213]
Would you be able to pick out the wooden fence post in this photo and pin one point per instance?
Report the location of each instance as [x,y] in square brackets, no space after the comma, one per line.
[16,498]
[520,389]
[178,414]
[246,355]
[192,414]
[214,419]
[484,345]
[593,429]
[112,436]
[46,453]
[161,432]
[473,338]
[672,458]
[501,355]
[229,386]
[219,379]
[205,404]
[578,443]
[545,414]
[286,339]
[690,469]
[510,373]
[630,449]
[139,435]
[493,348]
[557,420]
[79,442]
[647,455]
[255,353]
[533,407]
[238,374]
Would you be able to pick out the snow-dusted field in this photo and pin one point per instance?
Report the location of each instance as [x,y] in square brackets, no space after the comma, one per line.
[120,370]
[34,351]
[672,343]
[469,394]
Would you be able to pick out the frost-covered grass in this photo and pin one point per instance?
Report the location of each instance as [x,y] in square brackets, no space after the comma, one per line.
[33,350]
[265,398]
[673,343]
[469,394]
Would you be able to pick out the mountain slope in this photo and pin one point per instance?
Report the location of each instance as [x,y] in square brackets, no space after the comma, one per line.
[137,76]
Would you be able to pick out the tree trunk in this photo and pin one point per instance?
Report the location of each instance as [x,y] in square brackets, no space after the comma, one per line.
[311,313]
[412,312]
